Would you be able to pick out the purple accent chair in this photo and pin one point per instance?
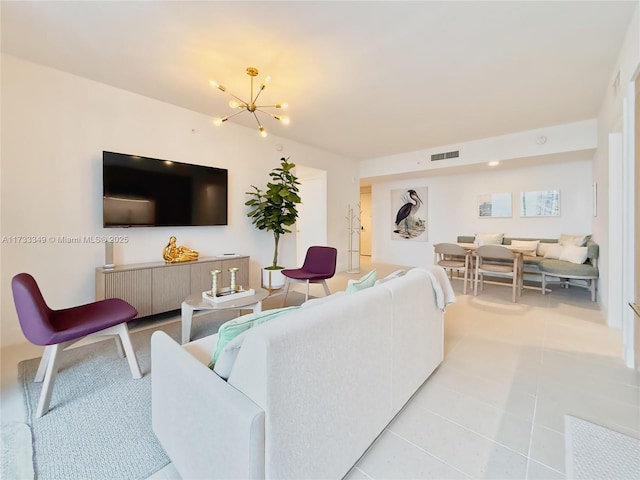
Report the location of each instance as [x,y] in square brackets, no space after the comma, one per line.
[319,265]
[58,329]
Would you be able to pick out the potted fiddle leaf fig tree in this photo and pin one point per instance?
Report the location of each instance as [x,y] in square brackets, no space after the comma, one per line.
[273,210]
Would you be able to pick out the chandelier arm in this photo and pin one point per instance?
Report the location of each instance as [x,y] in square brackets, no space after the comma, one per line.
[266,113]
[259,124]
[238,98]
[262,87]
[243,109]
[282,119]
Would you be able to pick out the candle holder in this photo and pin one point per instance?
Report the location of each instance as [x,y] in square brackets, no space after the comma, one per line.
[232,285]
[229,293]
[214,282]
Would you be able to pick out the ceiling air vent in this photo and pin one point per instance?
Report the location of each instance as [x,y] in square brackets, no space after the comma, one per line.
[443,156]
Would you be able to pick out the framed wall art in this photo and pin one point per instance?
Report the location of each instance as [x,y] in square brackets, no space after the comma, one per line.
[409,214]
[540,203]
[494,205]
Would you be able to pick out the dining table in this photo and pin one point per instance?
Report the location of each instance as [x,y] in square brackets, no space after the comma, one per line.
[518,251]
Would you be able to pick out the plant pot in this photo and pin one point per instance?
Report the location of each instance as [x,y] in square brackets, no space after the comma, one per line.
[272,279]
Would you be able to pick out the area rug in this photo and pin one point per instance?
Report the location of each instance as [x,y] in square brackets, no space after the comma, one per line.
[595,452]
[99,422]
[15,451]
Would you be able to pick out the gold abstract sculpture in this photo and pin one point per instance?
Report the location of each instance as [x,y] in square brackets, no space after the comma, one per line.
[173,253]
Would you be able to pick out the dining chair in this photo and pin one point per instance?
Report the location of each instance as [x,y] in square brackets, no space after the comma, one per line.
[496,260]
[58,329]
[453,257]
[319,265]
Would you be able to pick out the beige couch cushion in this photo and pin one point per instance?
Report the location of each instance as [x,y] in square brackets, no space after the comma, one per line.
[576,240]
[301,362]
[203,348]
[314,302]
[573,254]
[528,247]
[553,250]
[488,239]
[417,333]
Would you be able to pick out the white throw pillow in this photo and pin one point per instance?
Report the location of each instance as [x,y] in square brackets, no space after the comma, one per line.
[574,254]
[488,239]
[553,250]
[391,276]
[542,248]
[527,247]
[576,240]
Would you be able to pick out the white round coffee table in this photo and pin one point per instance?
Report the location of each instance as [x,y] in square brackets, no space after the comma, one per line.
[195,302]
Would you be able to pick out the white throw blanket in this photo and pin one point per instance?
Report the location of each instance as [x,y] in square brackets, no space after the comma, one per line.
[441,285]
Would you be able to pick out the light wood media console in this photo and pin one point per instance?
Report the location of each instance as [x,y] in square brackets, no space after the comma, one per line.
[161,287]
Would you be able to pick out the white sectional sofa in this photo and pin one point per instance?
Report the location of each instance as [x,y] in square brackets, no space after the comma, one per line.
[309,391]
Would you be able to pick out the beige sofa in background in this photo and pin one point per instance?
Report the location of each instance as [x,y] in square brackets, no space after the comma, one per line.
[583,275]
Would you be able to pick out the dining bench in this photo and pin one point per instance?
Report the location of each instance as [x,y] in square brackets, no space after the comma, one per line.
[583,275]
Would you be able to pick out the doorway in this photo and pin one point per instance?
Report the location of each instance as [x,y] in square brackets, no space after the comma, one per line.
[365,221]
[311,226]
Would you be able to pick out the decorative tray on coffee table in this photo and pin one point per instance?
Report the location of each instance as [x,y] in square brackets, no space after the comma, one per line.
[226,294]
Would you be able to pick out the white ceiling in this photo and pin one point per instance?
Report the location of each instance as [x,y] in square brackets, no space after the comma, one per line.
[363,79]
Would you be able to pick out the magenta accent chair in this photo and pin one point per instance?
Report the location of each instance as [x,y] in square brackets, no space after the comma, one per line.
[58,329]
[319,265]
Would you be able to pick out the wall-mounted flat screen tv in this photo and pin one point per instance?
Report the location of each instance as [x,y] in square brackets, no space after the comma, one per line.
[149,192]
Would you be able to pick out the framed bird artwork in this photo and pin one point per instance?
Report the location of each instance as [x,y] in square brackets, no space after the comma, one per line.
[409,214]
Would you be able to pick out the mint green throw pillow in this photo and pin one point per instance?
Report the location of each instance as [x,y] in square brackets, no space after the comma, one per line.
[231,329]
[366,281]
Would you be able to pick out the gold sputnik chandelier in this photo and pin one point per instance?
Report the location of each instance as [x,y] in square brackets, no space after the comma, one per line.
[250,106]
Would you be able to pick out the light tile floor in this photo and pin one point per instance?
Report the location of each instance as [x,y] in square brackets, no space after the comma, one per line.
[495,406]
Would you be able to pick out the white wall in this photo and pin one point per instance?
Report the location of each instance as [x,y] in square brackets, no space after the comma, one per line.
[54,129]
[453,211]
[610,121]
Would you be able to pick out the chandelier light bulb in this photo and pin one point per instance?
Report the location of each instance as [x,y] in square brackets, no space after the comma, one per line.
[215,84]
[282,105]
[283,119]
[233,104]
[263,132]
[218,121]
[268,79]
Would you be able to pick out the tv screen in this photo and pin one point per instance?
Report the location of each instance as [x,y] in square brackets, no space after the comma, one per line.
[148,192]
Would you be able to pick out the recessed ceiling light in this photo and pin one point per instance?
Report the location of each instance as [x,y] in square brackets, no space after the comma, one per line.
[494,163]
